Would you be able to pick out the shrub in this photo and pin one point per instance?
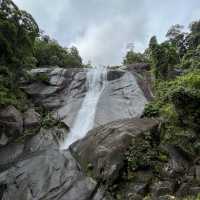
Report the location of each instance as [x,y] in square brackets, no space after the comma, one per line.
[151,110]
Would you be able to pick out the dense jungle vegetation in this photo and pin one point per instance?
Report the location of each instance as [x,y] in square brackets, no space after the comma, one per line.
[23,47]
[175,68]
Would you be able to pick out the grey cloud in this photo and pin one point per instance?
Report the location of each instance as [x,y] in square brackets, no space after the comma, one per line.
[101,28]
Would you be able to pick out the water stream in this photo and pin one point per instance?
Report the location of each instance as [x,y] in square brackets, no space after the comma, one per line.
[96,80]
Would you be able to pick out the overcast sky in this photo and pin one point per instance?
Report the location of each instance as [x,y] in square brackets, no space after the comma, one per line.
[101,29]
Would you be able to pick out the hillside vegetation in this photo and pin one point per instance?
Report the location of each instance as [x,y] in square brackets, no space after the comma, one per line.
[175,65]
[23,47]
[175,69]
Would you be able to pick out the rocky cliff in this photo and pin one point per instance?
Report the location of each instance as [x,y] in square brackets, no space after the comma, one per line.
[122,157]
[38,170]
[65,90]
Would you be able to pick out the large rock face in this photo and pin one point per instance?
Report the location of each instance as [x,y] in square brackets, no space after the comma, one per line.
[48,175]
[39,170]
[122,98]
[96,167]
[65,90]
[104,148]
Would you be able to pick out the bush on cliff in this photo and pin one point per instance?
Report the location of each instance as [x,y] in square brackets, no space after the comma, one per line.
[49,53]
[181,95]
[133,57]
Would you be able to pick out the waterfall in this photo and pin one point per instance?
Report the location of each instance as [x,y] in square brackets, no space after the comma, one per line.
[96,80]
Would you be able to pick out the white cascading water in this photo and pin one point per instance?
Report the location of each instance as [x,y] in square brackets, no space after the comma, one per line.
[96,80]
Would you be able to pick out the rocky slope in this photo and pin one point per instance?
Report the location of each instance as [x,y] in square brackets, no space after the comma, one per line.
[122,158]
[38,170]
[119,160]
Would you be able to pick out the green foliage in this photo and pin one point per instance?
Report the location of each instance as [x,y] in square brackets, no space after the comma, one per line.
[7,97]
[193,198]
[168,112]
[193,38]
[177,38]
[163,58]
[42,77]
[48,121]
[191,60]
[144,153]
[153,43]
[18,31]
[30,62]
[174,32]
[15,97]
[20,51]
[186,102]
[141,155]
[50,53]
[151,110]
[133,57]
[177,103]
[180,50]
[170,197]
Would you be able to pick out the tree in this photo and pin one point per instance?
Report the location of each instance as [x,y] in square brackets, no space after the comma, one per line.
[174,31]
[177,38]
[195,27]
[76,59]
[193,38]
[133,57]
[163,58]
[153,42]
[49,53]
[191,60]
[18,31]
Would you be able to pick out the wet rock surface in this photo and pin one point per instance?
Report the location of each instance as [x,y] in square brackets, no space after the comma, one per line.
[64,91]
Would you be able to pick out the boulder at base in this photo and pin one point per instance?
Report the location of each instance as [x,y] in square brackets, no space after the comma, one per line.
[102,152]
